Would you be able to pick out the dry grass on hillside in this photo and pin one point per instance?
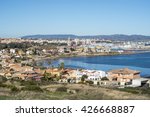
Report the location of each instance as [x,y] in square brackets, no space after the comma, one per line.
[70,92]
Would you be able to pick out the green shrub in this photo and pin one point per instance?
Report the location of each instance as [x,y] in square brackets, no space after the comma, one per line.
[2,85]
[14,89]
[131,90]
[104,78]
[89,82]
[6,85]
[26,83]
[61,89]
[3,79]
[81,82]
[32,88]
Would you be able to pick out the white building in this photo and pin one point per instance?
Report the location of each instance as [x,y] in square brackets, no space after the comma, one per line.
[139,82]
[12,51]
[93,75]
[29,52]
[1,52]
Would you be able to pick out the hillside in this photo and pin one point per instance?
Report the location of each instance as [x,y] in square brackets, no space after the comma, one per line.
[26,90]
[110,37]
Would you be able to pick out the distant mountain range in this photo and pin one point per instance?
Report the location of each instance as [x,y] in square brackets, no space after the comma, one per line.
[109,37]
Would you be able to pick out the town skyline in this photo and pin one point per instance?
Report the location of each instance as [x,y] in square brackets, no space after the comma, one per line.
[86,17]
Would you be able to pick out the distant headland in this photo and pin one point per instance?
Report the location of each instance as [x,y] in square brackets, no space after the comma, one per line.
[71,36]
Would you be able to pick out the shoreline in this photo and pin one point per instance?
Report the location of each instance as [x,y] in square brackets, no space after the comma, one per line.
[51,59]
[89,55]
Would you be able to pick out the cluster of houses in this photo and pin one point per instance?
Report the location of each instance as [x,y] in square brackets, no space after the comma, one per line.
[118,77]
[17,71]
[75,46]
[10,68]
[21,70]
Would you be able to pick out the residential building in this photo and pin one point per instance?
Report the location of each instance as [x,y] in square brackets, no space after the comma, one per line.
[92,75]
[123,75]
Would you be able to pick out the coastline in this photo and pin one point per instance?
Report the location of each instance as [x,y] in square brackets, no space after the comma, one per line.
[51,59]
[90,55]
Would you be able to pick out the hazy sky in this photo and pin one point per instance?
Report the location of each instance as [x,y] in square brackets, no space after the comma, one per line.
[81,17]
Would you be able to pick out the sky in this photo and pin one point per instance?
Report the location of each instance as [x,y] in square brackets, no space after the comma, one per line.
[79,17]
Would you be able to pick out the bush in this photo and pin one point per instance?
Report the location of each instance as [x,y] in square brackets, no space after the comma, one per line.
[146,91]
[104,78]
[26,83]
[6,85]
[14,89]
[81,82]
[2,85]
[3,79]
[32,88]
[89,82]
[131,90]
[61,89]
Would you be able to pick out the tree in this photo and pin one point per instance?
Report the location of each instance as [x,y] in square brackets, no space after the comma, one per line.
[84,77]
[49,63]
[47,76]
[90,82]
[62,65]
[72,49]
[40,64]
[104,78]
[69,80]
[58,78]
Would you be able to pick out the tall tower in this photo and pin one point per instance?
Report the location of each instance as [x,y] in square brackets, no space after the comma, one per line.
[69,41]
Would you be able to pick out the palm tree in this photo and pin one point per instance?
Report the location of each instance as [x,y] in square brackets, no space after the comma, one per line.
[62,65]
[49,63]
[47,76]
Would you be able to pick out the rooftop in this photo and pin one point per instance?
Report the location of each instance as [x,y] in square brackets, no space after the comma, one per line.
[124,71]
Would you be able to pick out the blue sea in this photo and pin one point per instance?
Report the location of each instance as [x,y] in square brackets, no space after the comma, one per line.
[140,62]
